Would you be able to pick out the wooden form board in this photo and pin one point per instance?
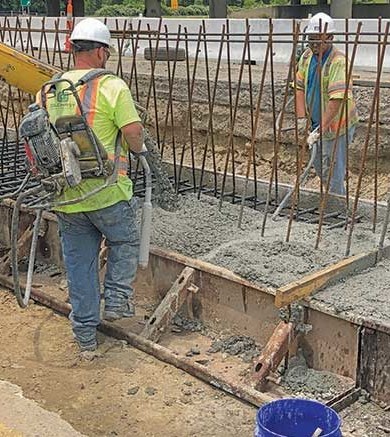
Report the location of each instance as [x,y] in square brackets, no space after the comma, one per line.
[309,284]
[374,366]
[168,308]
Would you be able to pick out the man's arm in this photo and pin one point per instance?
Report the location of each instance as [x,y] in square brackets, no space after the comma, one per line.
[337,88]
[300,106]
[134,136]
[331,112]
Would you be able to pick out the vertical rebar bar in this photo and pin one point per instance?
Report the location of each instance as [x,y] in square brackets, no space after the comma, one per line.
[188,124]
[251,156]
[133,70]
[274,160]
[230,148]
[299,151]
[346,123]
[152,83]
[344,106]
[210,132]
[365,147]
[251,108]
[211,109]
[375,215]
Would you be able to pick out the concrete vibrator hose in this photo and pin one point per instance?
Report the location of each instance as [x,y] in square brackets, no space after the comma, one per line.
[306,171]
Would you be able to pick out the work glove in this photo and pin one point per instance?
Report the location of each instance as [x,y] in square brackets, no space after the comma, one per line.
[144,151]
[313,137]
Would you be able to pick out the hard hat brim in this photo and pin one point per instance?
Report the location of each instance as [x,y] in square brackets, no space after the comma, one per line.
[318,32]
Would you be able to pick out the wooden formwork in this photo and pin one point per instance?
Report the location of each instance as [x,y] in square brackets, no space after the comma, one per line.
[224,302]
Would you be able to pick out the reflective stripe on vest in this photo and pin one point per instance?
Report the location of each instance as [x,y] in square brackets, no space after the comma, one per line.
[123,165]
[88,97]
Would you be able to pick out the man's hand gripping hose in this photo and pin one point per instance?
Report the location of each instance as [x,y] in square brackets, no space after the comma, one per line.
[313,137]
[312,142]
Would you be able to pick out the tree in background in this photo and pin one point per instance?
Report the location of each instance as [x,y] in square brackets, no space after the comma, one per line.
[37,6]
[91,6]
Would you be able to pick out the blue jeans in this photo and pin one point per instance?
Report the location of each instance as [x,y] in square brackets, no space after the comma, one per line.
[81,236]
[337,185]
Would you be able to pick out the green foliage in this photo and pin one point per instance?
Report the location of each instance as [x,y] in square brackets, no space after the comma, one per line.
[120,10]
[134,7]
[38,6]
[91,6]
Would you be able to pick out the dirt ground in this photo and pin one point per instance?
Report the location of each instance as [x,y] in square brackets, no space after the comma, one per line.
[125,392]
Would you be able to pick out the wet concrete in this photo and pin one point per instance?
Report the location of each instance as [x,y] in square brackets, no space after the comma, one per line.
[301,381]
[365,294]
[164,196]
[198,229]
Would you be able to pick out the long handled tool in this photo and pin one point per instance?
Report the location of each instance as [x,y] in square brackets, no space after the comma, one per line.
[302,181]
[146,221]
[306,171]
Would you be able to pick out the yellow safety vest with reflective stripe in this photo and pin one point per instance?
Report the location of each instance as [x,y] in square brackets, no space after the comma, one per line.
[333,86]
[108,106]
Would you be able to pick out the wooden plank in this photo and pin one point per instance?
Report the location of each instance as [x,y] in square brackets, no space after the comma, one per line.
[373,373]
[365,377]
[382,376]
[169,306]
[311,283]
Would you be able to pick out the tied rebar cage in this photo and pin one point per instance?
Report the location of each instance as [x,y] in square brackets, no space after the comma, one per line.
[220,101]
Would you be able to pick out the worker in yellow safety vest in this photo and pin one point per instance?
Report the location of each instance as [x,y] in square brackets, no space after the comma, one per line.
[321,86]
[111,212]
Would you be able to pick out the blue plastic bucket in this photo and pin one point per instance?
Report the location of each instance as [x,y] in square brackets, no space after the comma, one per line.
[296,418]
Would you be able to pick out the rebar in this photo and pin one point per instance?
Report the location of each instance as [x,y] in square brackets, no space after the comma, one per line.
[218,104]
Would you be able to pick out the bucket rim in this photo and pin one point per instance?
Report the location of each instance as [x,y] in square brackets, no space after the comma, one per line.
[307,401]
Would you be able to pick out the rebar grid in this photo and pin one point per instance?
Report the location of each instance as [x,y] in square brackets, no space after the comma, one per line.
[214,115]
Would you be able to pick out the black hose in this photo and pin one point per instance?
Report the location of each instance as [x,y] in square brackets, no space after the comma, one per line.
[21,187]
[14,243]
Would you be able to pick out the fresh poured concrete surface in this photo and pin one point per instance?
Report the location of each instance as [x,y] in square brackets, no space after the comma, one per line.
[364,295]
[22,417]
[199,229]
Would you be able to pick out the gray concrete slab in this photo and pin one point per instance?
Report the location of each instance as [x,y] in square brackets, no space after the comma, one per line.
[20,416]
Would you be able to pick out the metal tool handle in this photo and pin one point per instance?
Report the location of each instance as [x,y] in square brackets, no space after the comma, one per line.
[146,221]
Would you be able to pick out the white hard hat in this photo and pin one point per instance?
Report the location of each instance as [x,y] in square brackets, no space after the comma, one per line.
[320,22]
[91,29]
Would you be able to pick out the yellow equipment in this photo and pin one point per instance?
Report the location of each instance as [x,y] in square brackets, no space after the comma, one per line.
[23,71]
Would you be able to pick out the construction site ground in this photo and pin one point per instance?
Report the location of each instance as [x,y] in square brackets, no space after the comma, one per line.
[127,392]
[124,391]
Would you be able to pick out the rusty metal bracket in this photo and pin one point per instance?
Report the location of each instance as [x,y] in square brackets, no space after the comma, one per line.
[170,305]
[273,353]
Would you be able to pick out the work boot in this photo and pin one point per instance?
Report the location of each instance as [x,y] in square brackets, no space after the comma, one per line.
[112,314]
[88,346]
